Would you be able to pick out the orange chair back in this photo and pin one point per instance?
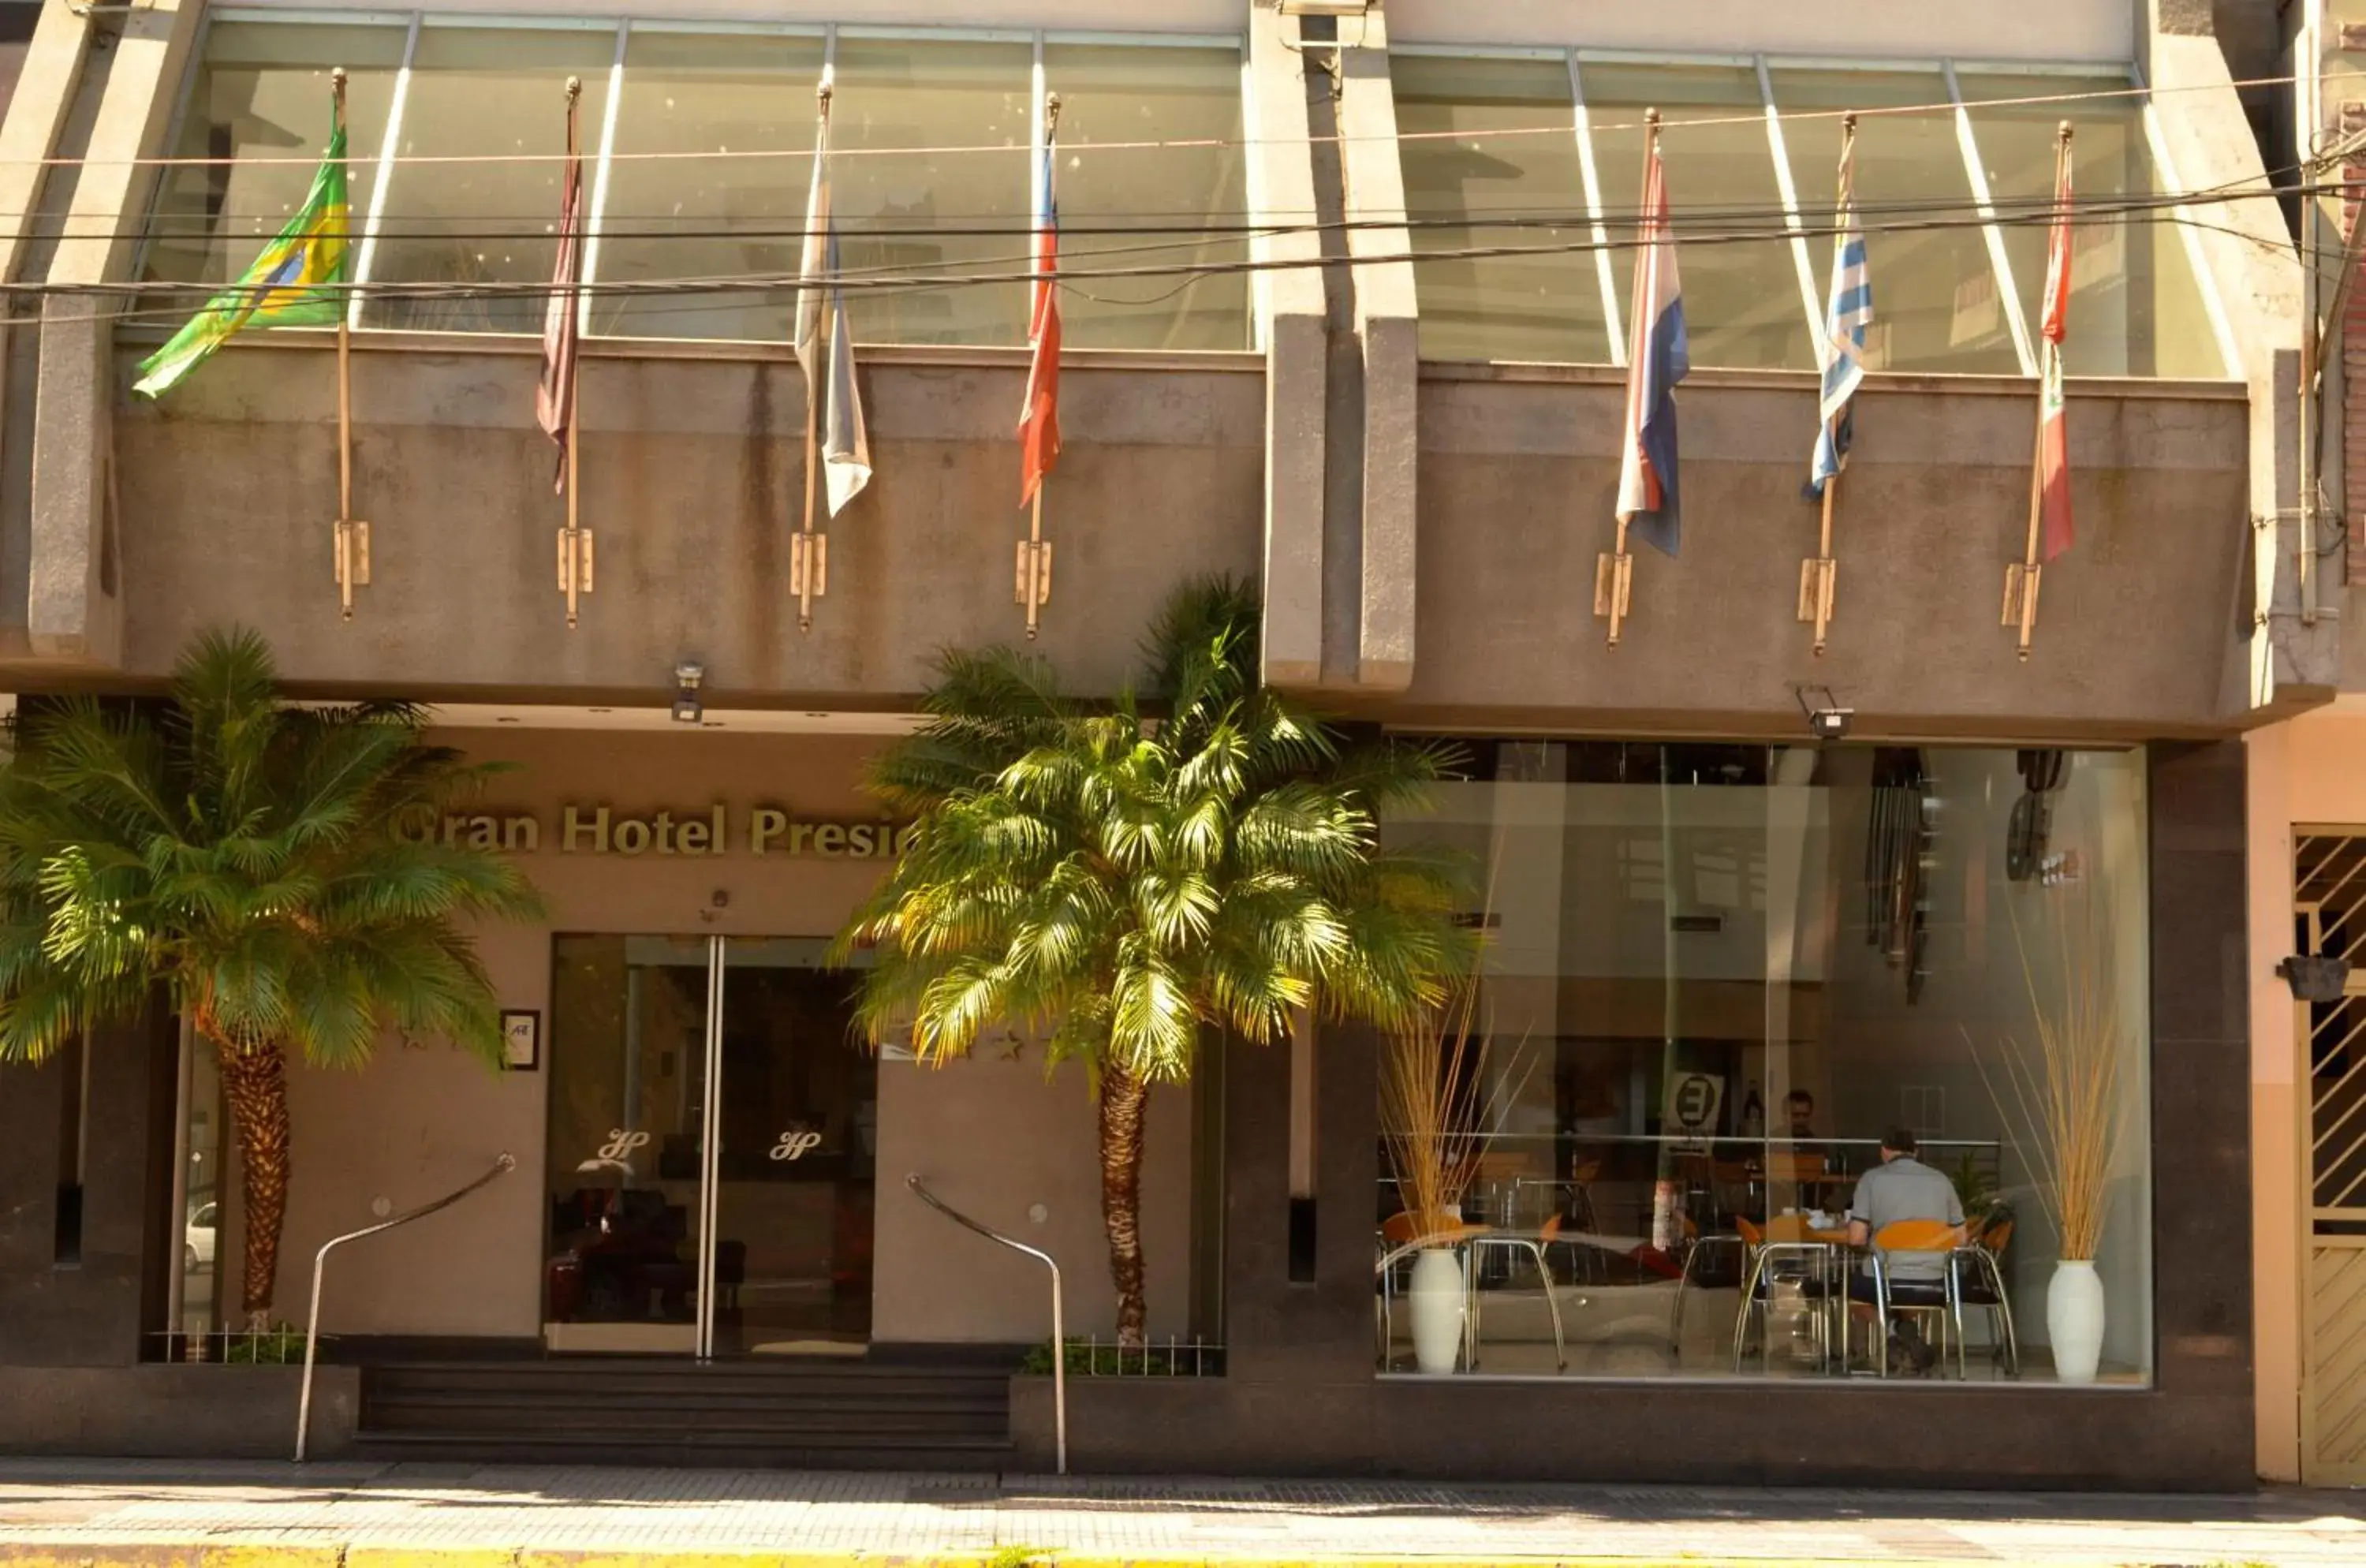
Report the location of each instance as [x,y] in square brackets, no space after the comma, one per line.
[1550,1231]
[1795,1166]
[1407,1226]
[1918,1235]
[1998,1237]
[1751,1235]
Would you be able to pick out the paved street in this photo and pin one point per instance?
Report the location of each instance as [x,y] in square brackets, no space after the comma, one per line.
[96,1514]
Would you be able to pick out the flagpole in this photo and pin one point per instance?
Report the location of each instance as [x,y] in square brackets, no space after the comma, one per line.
[2030,567]
[346,552]
[1615,582]
[1035,576]
[804,568]
[1825,569]
[576,564]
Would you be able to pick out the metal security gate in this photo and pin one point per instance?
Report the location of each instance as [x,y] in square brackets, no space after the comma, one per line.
[2330,920]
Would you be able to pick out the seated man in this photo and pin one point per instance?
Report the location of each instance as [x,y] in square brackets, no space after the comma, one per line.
[1901,1188]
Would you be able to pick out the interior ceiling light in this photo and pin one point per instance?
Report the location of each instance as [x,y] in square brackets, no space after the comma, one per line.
[1326,7]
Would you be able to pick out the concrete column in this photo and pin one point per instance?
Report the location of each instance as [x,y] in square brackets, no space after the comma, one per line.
[1290,307]
[1387,320]
[74,613]
[2248,259]
[95,1309]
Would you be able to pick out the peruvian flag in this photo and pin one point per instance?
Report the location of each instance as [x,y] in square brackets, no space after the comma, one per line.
[2053,431]
[1039,424]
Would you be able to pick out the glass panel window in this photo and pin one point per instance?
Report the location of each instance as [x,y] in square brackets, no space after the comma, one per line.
[1763,1048]
[1127,207]
[923,215]
[2135,306]
[475,92]
[673,217]
[1493,162]
[262,95]
[1934,293]
[1741,287]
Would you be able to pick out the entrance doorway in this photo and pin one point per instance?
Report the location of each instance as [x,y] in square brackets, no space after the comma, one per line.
[710,1168]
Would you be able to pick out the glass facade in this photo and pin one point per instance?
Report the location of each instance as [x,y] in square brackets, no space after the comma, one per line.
[1723,986]
[701,171]
[1752,151]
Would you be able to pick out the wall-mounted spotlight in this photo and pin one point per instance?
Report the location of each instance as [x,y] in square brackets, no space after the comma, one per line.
[2314,977]
[687,708]
[1827,719]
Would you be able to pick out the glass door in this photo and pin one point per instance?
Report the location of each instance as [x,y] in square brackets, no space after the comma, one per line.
[627,1156]
[684,1221]
[794,1171]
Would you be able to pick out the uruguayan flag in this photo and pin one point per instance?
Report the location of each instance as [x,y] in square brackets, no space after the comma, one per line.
[1846,316]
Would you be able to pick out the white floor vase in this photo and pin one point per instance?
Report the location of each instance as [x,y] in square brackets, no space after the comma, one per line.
[1437,1298]
[2074,1320]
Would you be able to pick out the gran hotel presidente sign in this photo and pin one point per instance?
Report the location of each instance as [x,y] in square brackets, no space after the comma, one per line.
[761,831]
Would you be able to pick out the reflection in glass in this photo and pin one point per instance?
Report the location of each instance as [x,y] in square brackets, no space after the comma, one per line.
[262,93]
[934,214]
[1934,293]
[475,92]
[1718,977]
[202,1257]
[800,1122]
[2136,307]
[627,1097]
[1171,206]
[1743,304]
[670,217]
[1459,163]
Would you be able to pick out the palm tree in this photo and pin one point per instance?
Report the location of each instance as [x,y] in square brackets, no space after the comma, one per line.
[1120,883]
[250,858]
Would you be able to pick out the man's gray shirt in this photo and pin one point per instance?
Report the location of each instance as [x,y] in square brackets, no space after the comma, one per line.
[1905,1189]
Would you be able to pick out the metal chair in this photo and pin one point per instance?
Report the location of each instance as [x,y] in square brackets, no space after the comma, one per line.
[1699,1261]
[1782,1258]
[1936,1298]
[1979,1273]
[1535,1247]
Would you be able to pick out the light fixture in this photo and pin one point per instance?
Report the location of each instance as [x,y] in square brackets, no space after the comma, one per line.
[687,708]
[1827,720]
[1326,7]
[2316,977]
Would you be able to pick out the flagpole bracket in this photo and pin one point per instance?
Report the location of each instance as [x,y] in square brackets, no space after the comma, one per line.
[809,573]
[1032,588]
[351,560]
[1614,590]
[1819,581]
[2021,585]
[575,566]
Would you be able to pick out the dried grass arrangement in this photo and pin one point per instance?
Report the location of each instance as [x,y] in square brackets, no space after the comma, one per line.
[2066,1092]
[1437,1112]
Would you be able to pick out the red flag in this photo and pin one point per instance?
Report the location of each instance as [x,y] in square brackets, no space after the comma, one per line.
[553,401]
[2053,429]
[1039,424]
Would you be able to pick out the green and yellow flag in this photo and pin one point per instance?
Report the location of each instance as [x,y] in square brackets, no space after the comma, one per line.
[291,284]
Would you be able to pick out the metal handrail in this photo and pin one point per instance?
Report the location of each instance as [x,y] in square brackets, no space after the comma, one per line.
[1059,1318]
[502,1165]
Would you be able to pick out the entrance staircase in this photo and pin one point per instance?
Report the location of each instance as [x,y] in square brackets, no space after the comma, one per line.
[825,1415]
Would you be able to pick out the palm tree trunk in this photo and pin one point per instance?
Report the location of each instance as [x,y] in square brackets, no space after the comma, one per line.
[255,1083]
[1123,1097]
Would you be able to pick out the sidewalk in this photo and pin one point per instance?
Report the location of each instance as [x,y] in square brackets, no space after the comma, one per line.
[161,1514]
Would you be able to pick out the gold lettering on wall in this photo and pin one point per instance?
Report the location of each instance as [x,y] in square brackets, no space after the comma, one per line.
[763,832]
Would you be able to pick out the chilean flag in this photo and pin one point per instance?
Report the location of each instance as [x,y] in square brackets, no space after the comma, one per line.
[1039,424]
[1657,358]
[2052,425]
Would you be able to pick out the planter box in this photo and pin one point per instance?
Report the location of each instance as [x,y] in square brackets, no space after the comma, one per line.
[174,1411]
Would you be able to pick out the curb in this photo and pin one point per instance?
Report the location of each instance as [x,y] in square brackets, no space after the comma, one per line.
[309,1555]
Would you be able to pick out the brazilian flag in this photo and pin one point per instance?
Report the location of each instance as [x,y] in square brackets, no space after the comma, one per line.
[285,288]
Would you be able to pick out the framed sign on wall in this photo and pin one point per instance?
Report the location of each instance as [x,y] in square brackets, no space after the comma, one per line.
[521,1040]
